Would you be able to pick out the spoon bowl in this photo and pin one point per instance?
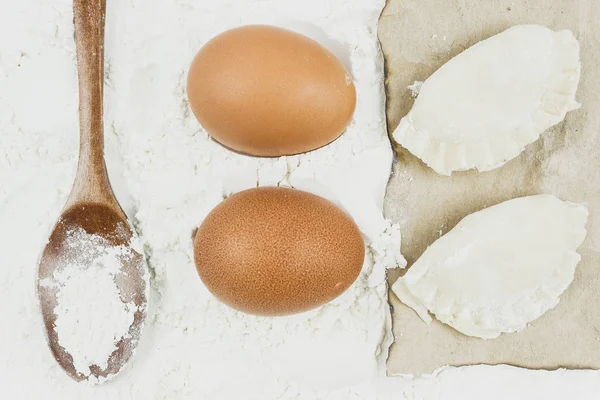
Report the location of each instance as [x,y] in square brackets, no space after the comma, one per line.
[60,253]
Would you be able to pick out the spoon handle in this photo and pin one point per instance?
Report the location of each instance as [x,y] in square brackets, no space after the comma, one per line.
[91,182]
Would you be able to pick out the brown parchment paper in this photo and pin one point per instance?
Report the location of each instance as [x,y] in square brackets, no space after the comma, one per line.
[417,37]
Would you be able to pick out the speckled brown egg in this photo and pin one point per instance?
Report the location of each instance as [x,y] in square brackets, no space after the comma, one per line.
[277,251]
[268,91]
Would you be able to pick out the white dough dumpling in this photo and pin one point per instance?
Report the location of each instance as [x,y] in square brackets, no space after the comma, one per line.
[481,108]
[499,268]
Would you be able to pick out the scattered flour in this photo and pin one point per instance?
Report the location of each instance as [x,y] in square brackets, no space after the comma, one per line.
[168,175]
[415,88]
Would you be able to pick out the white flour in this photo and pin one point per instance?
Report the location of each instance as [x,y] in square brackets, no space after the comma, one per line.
[91,336]
[415,88]
[169,175]
[91,317]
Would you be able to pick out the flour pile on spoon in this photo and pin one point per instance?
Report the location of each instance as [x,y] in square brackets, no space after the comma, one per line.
[91,315]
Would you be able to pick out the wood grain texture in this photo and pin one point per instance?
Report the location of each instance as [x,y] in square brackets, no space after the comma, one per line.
[91,181]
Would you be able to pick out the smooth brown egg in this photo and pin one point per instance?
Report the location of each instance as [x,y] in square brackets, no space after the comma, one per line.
[277,251]
[267,91]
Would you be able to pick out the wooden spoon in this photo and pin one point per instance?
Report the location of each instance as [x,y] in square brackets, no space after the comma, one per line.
[92,207]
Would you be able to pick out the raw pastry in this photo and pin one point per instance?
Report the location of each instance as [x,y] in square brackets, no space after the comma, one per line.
[499,268]
[483,106]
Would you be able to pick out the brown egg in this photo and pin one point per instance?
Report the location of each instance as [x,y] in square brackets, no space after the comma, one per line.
[267,91]
[277,251]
